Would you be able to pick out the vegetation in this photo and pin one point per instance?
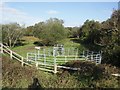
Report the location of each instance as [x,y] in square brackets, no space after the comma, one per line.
[50,31]
[90,75]
[92,35]
[11,34]
[105,35]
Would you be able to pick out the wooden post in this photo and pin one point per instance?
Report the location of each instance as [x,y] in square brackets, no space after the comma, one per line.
[91,57]
[83,53]
[54,51]
[1,48]
[35,57]
[55,68]
[54,59]
[96,59]
[11,54]
[37,65]
[100,58]
[55,65]
[76,57]
[22,61]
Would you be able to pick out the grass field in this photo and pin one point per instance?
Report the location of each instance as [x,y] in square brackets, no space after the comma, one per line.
[29,46]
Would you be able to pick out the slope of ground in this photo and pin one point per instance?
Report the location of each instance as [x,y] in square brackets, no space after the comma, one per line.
[29,46]
[14,75]
[90,75]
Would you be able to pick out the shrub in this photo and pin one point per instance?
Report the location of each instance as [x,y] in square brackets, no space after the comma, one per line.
[93,75]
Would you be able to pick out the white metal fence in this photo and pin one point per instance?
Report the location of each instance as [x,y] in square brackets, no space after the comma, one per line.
[25,61]
[49,62]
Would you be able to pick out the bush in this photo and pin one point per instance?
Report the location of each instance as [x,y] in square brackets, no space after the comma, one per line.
[92,75]
[111,56]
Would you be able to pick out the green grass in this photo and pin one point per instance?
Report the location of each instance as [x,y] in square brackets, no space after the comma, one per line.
[69,43]
[29,46]
[14,75]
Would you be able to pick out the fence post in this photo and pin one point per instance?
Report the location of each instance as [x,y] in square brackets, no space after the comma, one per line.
[65,59]
[35,57]
[55,65]
[1,48]
[91,57]
[27,57]
[11,54]
[96,59]
[83,54]
[37,65]
[76,57]
[44,59]
[100,59]
[55,68]
[22,61]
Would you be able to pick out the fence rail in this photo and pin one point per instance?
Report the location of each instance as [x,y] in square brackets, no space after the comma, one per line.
[47,62]
[14,55]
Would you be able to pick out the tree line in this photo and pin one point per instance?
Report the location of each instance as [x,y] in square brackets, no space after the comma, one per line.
[104,34]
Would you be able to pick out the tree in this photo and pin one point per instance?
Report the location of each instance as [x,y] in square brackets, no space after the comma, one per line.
[74,32]
[89,31]
[11,33]
[111,39]
[68,31]
[50,31]
[38,29]
[29,31]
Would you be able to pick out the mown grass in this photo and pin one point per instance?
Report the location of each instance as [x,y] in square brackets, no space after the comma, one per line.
[28,42]
[69,43]
[29,46]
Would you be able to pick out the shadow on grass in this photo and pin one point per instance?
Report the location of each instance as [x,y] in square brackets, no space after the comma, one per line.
[20,43]
[87,45]
[35,85]
[38,43]
[75,40]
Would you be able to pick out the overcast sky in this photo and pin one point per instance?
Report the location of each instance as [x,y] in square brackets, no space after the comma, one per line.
[73,13]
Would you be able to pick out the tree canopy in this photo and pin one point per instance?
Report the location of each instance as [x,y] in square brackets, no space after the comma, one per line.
[106,35]
[11,33]
[50,31]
